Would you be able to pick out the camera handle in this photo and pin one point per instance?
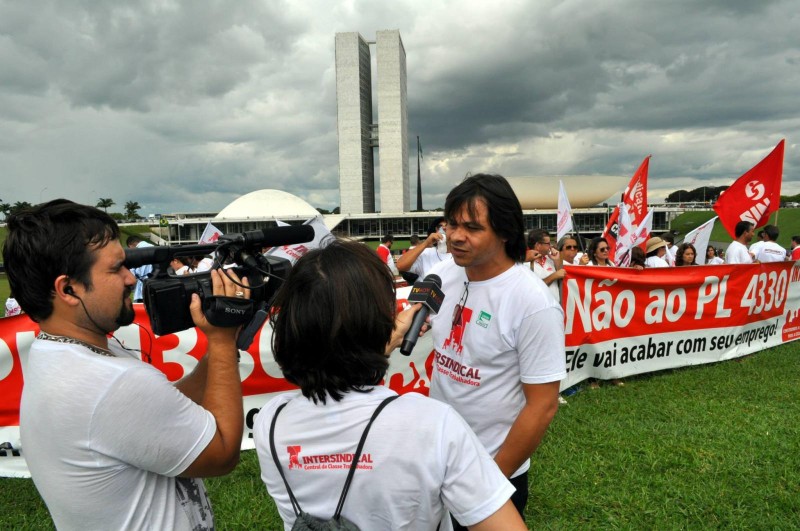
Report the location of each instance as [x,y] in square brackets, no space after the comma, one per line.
[248,333]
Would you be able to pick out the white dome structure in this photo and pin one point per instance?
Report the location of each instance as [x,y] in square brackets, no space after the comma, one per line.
[267,204]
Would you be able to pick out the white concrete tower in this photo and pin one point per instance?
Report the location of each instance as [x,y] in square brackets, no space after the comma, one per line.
[354,124]
[392,122]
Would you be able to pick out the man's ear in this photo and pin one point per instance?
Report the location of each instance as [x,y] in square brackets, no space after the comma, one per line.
[64,291]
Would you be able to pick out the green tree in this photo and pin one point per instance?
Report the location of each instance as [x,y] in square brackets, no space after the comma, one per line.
[20,205]
[132,209]
[5,208]
[104,203]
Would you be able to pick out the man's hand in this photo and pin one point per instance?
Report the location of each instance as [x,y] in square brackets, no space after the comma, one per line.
[222,286]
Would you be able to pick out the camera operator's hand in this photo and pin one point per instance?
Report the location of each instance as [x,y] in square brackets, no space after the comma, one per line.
[223,286]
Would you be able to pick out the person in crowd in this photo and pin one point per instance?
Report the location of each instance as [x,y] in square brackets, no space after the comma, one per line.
[546,261]
[12,306]
[180,265]
[422,456]
[384,251]
[142,272]
[756,247]
[671,250]
[686,255]
[568,247]
[795,248]
[498,336]
[413,241]
[770,251]
[429,252]
[711,256]
[598,252]
[737,252]
[110,443]
[637,258]
[656,250]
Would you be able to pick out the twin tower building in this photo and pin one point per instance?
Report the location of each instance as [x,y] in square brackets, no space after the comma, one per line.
[359,133]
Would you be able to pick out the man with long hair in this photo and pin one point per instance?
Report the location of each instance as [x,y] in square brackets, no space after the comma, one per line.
[498,336]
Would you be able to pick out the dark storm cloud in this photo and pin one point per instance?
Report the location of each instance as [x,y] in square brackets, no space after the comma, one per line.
[186,105]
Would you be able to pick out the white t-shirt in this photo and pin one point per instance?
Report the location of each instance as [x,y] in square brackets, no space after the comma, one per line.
[715,261]
[771,252]
[204,265]
[104,438]
[544,271]
[427,259]
[655,261]
[737,254]
[511,332]
[756,247]
[419,458]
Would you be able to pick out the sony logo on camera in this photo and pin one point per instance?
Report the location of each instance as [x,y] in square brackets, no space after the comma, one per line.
[235,310]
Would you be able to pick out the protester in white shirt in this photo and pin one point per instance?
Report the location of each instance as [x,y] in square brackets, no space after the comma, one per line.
[420,259]
[770,251]
[711,256]
[420,458]
[737,252]
[671,249]
[656,250]
[546,261]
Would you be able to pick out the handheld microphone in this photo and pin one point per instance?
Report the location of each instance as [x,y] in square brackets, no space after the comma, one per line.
[429,293]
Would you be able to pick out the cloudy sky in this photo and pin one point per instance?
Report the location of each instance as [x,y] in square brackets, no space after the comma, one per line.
[184,105]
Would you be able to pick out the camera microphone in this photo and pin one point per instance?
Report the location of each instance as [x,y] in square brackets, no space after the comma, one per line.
[290,235]
[429,293]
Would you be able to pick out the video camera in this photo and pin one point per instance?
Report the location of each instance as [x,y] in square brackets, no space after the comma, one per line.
[167,297]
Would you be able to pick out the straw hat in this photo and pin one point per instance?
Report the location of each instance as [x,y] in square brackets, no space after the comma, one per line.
[655,243]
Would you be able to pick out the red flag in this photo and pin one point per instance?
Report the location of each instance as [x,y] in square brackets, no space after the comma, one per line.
[635,196]
[755,195]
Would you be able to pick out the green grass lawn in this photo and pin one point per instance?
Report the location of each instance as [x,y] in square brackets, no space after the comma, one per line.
[712,446]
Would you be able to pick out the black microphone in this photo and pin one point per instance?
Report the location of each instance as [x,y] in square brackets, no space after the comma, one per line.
[429,293]
[271,237]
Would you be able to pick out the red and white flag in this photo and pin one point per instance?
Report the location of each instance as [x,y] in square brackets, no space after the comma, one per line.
[635,196]
[564,219]
[294,252]
[210,235]
[699,238]
[753,196]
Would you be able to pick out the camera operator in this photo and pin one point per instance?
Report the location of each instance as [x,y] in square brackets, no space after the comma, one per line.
[109,441]
[420,456]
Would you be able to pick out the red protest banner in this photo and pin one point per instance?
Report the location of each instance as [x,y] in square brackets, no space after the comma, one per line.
[755,195]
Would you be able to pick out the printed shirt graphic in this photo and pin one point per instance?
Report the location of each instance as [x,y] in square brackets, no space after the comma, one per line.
[419,458]
[510,332]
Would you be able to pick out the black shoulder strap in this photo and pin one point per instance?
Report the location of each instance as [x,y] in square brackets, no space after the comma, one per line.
[295,505]
[357,455]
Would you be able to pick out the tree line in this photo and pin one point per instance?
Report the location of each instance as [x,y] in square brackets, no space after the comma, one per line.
[131,208]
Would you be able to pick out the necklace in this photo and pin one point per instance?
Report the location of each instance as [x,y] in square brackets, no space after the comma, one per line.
[73,341]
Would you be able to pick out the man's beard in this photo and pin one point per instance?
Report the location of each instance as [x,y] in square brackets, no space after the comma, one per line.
[126,314]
